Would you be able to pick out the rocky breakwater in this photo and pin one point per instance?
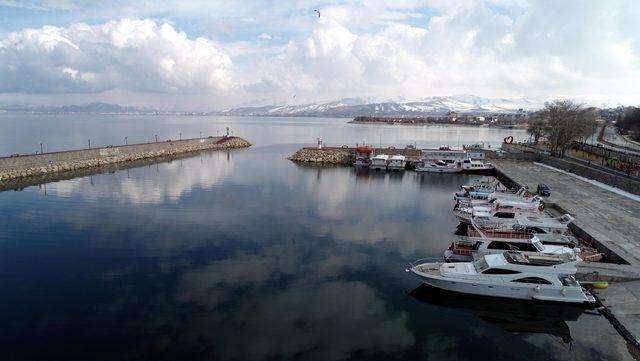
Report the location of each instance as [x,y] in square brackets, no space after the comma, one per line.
[12,168]
[344,156]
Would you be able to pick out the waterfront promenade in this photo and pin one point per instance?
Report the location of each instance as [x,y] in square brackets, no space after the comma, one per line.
[611,218]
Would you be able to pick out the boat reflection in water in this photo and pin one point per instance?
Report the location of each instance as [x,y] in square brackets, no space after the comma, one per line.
[511,315]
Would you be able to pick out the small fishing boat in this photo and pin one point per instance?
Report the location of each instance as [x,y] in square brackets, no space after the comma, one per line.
[397,163]
[363,156]
[512,274]
[379,162]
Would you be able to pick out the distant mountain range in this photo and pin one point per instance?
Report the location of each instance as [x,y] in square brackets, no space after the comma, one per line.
[84,108]
[348,108]
[435,105]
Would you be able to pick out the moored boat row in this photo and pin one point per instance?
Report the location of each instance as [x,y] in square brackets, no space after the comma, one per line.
[509,246]
[442,160]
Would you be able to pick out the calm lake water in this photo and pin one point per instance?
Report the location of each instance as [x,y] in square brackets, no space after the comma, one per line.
[244,255]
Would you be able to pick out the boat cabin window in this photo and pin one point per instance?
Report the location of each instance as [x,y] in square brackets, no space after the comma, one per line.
[467,161]
[537,280]
[480,265]
[536,230]
[499,271]
[504,215]
[510,246]
[538,245]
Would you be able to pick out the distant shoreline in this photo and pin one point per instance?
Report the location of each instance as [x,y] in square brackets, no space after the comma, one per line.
[517,126]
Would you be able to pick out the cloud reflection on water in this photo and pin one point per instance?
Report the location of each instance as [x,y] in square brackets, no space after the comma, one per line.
[253,257]
[174,179]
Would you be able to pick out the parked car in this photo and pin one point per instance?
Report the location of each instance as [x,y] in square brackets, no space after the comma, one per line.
[543,190]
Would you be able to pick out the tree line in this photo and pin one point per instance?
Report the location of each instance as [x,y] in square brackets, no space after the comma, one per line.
[561,122]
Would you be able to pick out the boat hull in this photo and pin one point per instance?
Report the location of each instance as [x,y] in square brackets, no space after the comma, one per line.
[438,170]
[392,168]
[481,171]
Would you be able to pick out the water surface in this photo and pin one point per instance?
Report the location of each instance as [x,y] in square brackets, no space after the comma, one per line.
[244,255]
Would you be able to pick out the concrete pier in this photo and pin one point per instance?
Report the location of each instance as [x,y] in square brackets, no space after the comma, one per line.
[612,221]
[35,165]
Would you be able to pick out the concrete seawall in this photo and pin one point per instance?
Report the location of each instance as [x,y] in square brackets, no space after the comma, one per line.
[627,184]
[12,168]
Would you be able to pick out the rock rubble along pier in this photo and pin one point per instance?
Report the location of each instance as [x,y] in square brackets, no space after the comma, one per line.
[344,155]
[23,166]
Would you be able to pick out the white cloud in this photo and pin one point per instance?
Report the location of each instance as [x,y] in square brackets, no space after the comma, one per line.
[128,54]
[264,36]
[468,47]
[379,49]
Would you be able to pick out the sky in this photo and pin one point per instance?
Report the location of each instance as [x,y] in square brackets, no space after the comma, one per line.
[211,55]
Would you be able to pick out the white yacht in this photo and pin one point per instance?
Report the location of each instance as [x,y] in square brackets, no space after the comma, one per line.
[485,199]
[476,167]
[468,193]
[379,162]
[496,212]
[444,154]
[397,163]
[516,275]
[438,166]
[485,185]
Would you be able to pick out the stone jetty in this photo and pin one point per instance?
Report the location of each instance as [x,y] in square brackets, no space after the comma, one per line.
[33,165]
[326,155]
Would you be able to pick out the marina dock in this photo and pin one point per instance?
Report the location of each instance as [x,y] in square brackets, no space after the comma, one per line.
[609,219]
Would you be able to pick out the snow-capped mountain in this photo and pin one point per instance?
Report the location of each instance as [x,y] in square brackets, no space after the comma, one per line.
[435,105]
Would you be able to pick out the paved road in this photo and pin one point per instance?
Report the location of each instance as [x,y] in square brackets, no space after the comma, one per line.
[611,135]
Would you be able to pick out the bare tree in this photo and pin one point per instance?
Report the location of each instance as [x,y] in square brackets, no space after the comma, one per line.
[629,122]
[536,128]
[566,121]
